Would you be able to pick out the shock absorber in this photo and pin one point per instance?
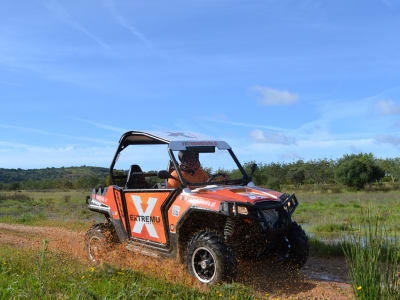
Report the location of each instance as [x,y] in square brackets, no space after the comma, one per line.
[229,228]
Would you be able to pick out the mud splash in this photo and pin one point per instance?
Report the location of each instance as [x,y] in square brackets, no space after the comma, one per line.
[321,278]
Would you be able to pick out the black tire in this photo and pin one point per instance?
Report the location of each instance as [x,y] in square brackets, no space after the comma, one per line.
[209,259]
[98,240]
[298,246]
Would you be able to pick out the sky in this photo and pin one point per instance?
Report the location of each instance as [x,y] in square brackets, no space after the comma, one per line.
[278,80]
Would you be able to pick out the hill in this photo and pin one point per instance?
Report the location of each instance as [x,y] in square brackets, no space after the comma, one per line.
[63,173]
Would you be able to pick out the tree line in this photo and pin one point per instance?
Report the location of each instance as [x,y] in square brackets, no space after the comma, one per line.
[354,170]
[83,182]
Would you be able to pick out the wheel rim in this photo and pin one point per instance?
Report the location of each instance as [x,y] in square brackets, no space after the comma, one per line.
[95,246]
[204,264]
[285,252]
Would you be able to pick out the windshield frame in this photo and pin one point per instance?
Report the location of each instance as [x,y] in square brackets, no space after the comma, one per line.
[244,180]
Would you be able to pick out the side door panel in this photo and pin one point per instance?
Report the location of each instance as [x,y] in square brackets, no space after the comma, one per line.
[120,208]
[145,216]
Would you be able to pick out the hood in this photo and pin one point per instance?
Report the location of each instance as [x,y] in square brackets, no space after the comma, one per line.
[235,194]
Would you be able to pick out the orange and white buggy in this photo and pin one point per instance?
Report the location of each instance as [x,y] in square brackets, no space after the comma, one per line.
[208,226]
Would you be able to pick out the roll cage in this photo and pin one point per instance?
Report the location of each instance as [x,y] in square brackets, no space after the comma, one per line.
[172,139]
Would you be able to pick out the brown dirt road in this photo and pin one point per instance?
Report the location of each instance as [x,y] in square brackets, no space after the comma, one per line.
[321,278]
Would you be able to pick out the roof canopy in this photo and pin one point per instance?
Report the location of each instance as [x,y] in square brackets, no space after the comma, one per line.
[176,140]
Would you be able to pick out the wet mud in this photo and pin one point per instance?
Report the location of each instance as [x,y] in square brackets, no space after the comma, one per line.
[320,278]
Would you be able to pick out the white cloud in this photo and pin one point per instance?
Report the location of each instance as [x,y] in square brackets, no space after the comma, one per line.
[388,3]
[270,96]
[62,14]
[104,126]
[44,132]
[124,22]
[242,124]
[290,156]
[25,156]
[388,139]
[388,107]
[271,138]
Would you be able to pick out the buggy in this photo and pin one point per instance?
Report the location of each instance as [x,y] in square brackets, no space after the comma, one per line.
[208,226]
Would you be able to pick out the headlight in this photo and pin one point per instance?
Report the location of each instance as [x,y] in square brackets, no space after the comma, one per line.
[241,210]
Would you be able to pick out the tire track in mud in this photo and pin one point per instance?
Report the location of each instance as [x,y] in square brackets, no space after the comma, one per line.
[321,278]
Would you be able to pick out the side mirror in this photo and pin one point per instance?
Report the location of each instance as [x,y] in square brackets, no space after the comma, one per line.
[254,168]
[163,174]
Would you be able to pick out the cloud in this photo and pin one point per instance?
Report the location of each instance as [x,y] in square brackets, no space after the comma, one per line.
[19,155]
[243,124]
[271,138]
[44,132]
[124,23]
[290,156]
[61,13]
[388,139]
[388,107]
[388,3]
[270,97]
[104,126]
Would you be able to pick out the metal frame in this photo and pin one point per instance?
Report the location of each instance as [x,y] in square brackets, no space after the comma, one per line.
[123,143]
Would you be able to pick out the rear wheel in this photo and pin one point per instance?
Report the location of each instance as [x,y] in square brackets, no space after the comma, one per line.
[209,259]
[98,240]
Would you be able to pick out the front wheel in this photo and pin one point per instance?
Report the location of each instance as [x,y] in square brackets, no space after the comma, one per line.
[98,240]
[209,259]
[297,246]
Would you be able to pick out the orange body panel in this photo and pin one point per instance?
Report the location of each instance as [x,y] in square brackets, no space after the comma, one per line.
[108,199]
[145,218]
[211,197]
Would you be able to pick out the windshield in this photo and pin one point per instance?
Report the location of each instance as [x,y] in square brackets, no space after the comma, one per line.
[219,167]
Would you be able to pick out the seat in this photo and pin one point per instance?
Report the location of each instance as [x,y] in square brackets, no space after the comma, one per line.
[136,179]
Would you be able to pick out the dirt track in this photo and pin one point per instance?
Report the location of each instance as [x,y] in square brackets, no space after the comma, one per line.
[321,278]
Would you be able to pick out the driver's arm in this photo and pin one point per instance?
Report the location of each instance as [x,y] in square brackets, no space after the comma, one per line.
[172,183]
[202,176]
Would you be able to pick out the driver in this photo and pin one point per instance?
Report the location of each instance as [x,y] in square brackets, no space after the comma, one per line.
[190,168]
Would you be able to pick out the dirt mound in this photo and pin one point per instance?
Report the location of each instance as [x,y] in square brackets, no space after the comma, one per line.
[320,279]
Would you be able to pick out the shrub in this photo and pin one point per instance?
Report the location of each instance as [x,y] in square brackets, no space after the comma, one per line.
[357,170]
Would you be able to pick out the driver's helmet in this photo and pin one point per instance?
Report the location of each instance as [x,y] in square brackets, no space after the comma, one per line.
[189,161]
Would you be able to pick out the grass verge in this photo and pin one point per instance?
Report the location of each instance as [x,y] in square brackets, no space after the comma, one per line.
[25,274]
[373,261]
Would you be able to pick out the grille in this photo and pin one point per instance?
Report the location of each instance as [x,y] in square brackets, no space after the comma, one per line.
[271,216]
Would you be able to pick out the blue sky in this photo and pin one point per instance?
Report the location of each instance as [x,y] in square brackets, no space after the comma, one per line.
[279,80]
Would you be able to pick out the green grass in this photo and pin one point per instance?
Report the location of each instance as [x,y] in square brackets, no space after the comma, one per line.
[373,261]
[47,208]
[332,227]
[329,215]
[323,249]
[25,274]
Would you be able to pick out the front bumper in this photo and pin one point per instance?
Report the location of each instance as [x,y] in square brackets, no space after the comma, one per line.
[287,203]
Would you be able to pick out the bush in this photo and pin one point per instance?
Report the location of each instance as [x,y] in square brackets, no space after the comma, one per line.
[357,170]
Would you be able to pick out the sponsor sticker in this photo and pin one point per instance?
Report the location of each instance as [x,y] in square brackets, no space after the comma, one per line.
[252,196]
[202,202]
[175,210]
[144,218]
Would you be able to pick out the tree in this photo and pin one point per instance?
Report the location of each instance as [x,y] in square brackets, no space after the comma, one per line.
[356,170]
[296,175]
[15,186]
[391,166]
